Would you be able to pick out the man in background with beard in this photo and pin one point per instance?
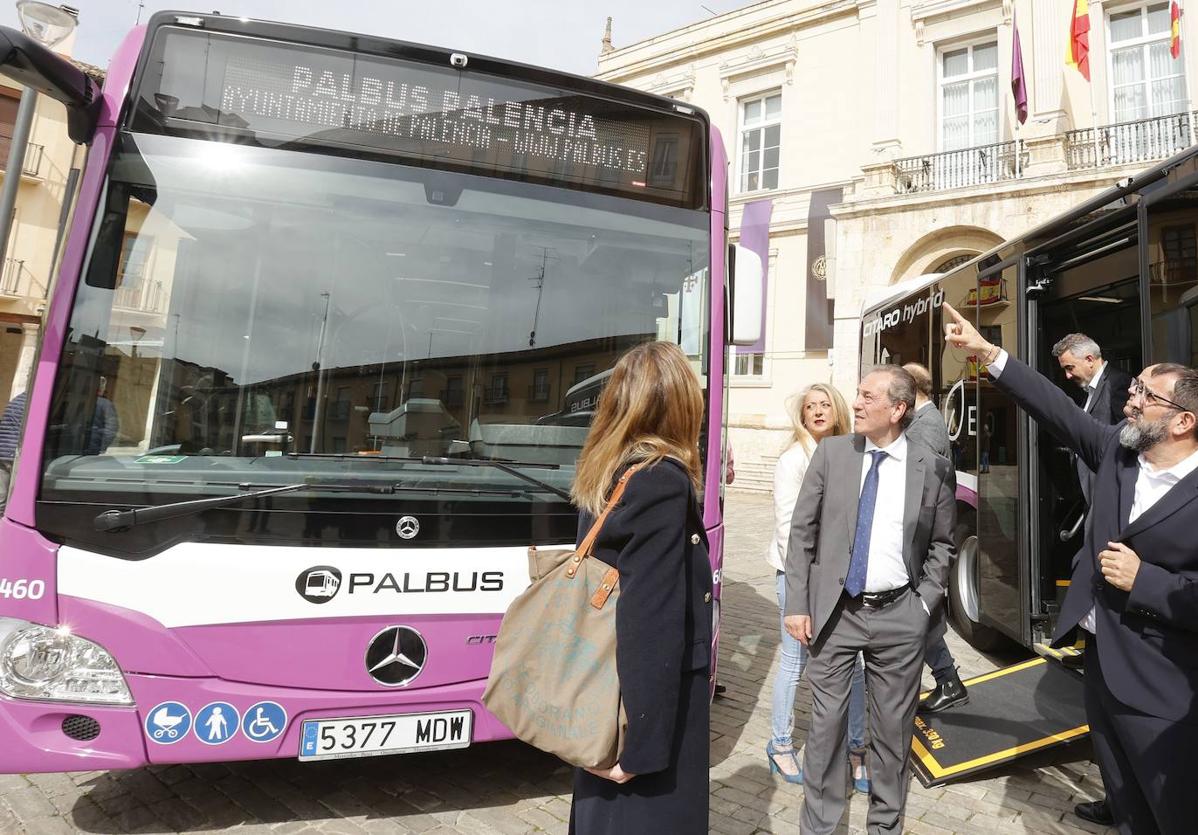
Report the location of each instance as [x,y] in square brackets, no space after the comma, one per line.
[1134,587]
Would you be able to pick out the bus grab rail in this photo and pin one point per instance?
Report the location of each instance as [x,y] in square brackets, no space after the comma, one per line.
[25,60]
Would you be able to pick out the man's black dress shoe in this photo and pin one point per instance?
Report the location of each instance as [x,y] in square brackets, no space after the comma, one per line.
[947,693]
[1096,812]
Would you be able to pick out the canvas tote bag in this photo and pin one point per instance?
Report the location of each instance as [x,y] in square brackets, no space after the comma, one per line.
[553,679]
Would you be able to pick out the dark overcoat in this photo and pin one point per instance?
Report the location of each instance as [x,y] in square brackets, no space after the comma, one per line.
[655,537]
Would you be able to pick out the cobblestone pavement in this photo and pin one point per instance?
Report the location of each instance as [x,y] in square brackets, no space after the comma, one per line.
[509,788]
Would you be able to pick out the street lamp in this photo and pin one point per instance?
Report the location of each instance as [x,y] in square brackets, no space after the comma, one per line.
[49,25]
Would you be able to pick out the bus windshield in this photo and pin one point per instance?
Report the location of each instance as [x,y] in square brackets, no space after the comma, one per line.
[255,316]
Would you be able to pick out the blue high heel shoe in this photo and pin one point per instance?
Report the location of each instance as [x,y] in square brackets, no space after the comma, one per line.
[770,753]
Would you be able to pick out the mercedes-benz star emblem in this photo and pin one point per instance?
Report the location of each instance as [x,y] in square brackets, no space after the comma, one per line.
[396,655]
[407,527]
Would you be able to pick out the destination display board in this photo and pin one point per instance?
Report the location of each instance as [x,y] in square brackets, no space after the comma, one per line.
[284,94]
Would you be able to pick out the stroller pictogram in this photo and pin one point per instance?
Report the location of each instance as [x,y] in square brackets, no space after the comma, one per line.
[166,724]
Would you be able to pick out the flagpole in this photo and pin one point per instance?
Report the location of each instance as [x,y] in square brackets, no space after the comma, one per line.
[1094,119]
[1014,36]
[1189,98]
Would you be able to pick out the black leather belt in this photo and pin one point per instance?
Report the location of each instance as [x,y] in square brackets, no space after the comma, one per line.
[876,600]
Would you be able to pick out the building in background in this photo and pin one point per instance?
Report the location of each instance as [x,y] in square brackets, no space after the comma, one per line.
[49,178]
[885,132]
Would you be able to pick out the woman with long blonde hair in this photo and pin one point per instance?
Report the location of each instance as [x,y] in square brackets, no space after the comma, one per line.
[649,417]
[817,412]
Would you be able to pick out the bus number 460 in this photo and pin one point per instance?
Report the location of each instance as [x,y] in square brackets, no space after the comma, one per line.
[22,589]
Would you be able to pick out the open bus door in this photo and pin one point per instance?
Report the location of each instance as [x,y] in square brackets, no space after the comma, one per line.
[1030,510]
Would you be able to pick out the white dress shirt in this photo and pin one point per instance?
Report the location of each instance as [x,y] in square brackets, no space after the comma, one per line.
[886,569]
[1151,485]
[788,478]
[1092,386]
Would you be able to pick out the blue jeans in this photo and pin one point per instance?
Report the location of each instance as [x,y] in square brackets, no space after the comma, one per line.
[794,660]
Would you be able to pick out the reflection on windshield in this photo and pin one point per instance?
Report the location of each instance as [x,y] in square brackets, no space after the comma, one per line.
[245,303]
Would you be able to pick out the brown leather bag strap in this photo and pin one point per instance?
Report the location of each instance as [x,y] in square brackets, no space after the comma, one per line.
[584,549]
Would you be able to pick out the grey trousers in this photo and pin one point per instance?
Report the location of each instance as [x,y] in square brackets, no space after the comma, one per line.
[892,639]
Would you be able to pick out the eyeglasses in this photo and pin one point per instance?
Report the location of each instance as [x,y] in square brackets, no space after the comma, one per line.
[1149,396]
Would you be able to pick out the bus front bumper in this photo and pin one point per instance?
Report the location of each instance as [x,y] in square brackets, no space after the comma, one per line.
[162,726]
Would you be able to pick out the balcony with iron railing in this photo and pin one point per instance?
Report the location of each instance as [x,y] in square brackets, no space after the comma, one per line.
[143,296]
[1126,143]
[493,394]
[34,155]
[963,168]
[10,278]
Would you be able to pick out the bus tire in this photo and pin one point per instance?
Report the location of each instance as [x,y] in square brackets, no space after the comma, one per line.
[963,594]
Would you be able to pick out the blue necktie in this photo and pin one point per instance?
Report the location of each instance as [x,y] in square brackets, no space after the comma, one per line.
[854,581]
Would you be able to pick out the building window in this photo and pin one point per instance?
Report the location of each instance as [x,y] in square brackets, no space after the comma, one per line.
[955,261]
[1180,249]
[539,391]
[497,391]
[453,393]
[9,102]
[380,401]
[132,265]
[582,372]
[1146,80]
[969,96]
[748,364]
[760,142]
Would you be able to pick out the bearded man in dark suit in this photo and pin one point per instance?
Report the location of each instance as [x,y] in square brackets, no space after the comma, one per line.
[1134,587]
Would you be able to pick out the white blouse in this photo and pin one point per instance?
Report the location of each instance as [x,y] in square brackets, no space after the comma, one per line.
[788,478]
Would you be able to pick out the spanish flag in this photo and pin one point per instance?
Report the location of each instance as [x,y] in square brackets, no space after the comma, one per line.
[1079,38]
[1175,37]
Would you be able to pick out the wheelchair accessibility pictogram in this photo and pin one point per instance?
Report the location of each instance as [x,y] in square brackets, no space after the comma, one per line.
[168,722]
[264,721]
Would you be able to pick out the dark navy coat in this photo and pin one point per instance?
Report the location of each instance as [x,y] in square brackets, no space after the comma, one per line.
[655,537]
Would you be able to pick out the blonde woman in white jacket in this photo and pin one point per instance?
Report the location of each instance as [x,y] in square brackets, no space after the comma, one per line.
[816,413]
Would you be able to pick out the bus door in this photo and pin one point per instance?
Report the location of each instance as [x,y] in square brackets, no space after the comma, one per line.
[1090,287]
[999,574]
[1170,268]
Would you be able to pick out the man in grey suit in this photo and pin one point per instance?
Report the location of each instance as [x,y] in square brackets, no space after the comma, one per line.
[1105,386]
[928,427]
[870,545]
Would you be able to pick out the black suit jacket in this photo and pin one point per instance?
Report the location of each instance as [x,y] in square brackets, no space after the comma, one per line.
[655,538]
[1147,638]
[1106,406]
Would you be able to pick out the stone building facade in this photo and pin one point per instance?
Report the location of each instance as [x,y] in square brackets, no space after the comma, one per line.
[885,132]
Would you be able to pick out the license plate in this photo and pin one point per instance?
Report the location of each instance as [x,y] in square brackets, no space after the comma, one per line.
[330,739]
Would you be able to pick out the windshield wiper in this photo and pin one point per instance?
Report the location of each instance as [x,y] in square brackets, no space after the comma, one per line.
[504,465]
[113,520]
[508,467]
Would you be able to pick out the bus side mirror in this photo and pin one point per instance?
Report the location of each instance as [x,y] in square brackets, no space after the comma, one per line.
[27,62]
[747,297]
[748,262]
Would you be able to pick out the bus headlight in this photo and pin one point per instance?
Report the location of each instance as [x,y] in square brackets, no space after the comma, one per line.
[38,662]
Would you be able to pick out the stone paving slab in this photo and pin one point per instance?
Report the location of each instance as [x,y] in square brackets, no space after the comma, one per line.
[510,788]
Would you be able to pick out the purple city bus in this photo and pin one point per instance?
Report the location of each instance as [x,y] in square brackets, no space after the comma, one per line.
[286,446]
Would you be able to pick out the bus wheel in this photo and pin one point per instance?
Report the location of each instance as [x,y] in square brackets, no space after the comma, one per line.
[963,595]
